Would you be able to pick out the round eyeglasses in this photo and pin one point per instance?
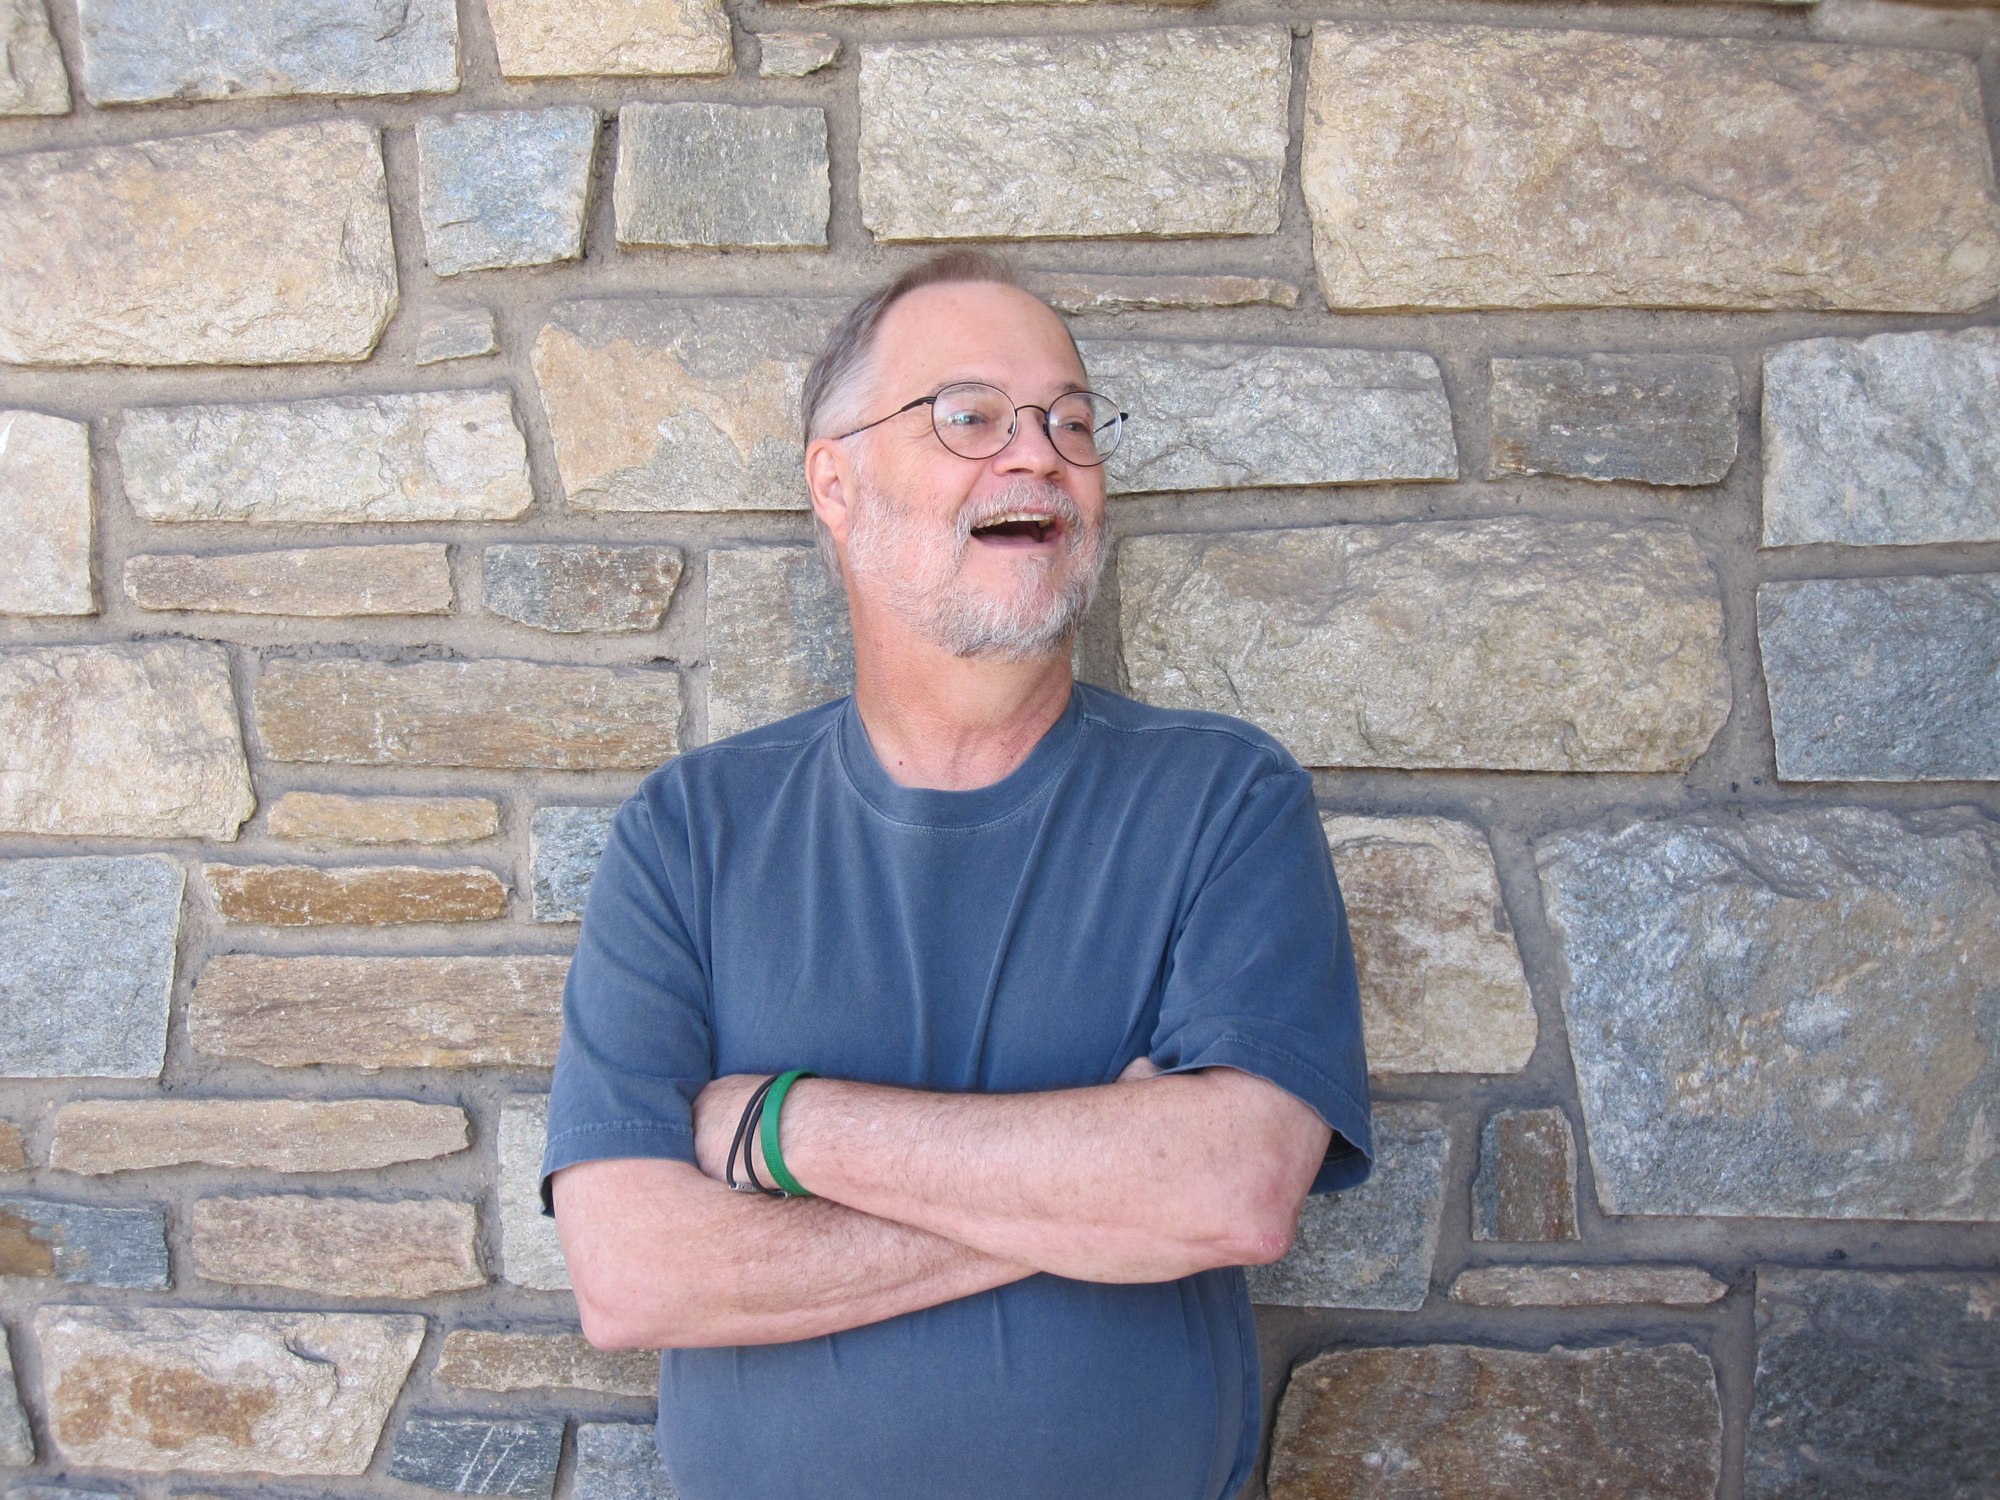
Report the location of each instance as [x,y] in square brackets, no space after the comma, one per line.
[978,421]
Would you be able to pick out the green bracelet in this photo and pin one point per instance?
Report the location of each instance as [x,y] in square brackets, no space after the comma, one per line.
[767,1131]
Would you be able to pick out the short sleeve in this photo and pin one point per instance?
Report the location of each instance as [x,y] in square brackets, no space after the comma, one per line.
[1261,976]
[636,1045]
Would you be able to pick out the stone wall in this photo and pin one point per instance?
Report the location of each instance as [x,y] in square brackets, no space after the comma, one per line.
[1572,429]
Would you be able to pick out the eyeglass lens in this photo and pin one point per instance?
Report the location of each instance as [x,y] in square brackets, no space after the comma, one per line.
[977,421]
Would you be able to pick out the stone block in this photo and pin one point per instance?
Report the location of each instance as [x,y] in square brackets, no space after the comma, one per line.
[122,741]
[330,818]
[167,1389]
[145,51]
[47,507]
[631,38]
[1509,644]
[1164,133]
[1886,441]
[1451,1420]
[238,248]
[575,587]
[488,715]
[13,1148]
[1873,1384]
[1525,1188]
[1442,989]
[679,406]
[732,176]
[619,1461]
[530,1253]
[564,846]
[1467,167]
[1883,679]
[778,640]
[17,1442]
[1586,1286]
[475,1360]
[424,456]
[339,1247]
[318,582]
[1654,418]
[83,1244]
[1371,1246]
[479,1455]
[309,896]
[1784,1014]
[504,187]
[33,80]
[1237,416]
[94,1137]
[465,334]
[795,54]
[87,965]
[298,1012]
[1116,294]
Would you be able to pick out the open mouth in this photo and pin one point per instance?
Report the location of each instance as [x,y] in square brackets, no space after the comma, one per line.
[1019,528]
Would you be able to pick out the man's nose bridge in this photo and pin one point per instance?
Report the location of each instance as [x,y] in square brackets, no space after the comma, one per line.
[1040,425]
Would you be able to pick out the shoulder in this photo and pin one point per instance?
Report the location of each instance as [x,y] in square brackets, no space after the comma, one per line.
[748,759]
[1139,731]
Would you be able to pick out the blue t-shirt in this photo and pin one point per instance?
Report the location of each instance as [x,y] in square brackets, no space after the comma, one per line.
[1145,882]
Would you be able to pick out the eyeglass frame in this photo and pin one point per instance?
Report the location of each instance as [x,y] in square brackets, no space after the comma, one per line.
[1013,426]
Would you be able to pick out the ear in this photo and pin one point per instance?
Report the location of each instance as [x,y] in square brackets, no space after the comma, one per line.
[830,480]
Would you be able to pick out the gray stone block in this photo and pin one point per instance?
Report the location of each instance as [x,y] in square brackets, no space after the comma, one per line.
[47,515]
[83,1244]
[1658,419]
[1884,679]
[138,51]
[33,80]
[530,1251]
[1885,441]
[1525,1188]
[619,1461]
[565,844]
[1872,1386]
[1784,1014]
[577,587]
[478,1455]
[778,640]
[17,1442]
[724,175]
[794,54]
[87,965]
[456,335]
[504,187]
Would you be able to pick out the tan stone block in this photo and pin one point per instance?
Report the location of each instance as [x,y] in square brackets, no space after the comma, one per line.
[494,715]
[1467,166]
[33,80]
[13,1152]
[469,1012]
[1525,1187]
[47,506]
[339,1247]
[531,1252]
[98,1136]
[308,896]
[323,582]
[1109,294]
[621,38]
[1586,1286]
[476,1360]
[1442,989]
[135,741]
[238,248]
[332,818]
[165,1389]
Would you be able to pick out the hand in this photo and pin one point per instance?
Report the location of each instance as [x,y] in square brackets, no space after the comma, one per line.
[717,1109]
[1139,1067]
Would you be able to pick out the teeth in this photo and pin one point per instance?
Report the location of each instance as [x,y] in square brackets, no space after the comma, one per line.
[1039,517]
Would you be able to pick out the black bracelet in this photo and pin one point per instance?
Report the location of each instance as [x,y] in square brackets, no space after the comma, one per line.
[745,1141]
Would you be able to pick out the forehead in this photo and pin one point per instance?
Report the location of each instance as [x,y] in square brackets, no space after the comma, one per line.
[976,330]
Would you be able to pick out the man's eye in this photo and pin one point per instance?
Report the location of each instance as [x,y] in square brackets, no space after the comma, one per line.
[965,420]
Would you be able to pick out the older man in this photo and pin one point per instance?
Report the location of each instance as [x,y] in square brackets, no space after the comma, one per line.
[1070,976]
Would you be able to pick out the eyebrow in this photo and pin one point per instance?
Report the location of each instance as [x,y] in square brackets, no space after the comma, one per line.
[1069,388]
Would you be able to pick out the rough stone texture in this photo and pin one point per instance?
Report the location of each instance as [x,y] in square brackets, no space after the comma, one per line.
[723,175]
[87,965]
[83,1243]
[1506,644]
[47,506]
[456,335]
[1373,1245]
[530,1253]
[577,587]
[330,818]
[1463,166]
[474,1360]
[778,640]
[426,456]
[794,54]
[17,1442]
[1586,1286]
[479,1455]
[242,247]
[339,1247]
[628,38]
[1232,416]
[163,1389]
[492,715]
[1451,1420]
[130,741]
[98,1136]
[1109,294]
[1140,133]
[1525,1188]
[470,1012]
[504,187]
[308,896]
[1884,679]
[324,582]
[1442,990]
[565,844]
[1885,441]
[672,406]
[1784,1013]
[13,1151]
[1659,419]
[138,51]
[619,1461]
[33,80]
[1874,1385]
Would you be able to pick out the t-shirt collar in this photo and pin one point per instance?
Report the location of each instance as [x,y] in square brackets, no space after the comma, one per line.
[930,808]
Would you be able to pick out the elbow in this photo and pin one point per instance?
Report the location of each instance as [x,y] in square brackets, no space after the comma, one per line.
[609,1326]
[1261,1220]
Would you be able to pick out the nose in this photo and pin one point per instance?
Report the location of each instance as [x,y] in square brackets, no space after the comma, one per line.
[1029,450]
